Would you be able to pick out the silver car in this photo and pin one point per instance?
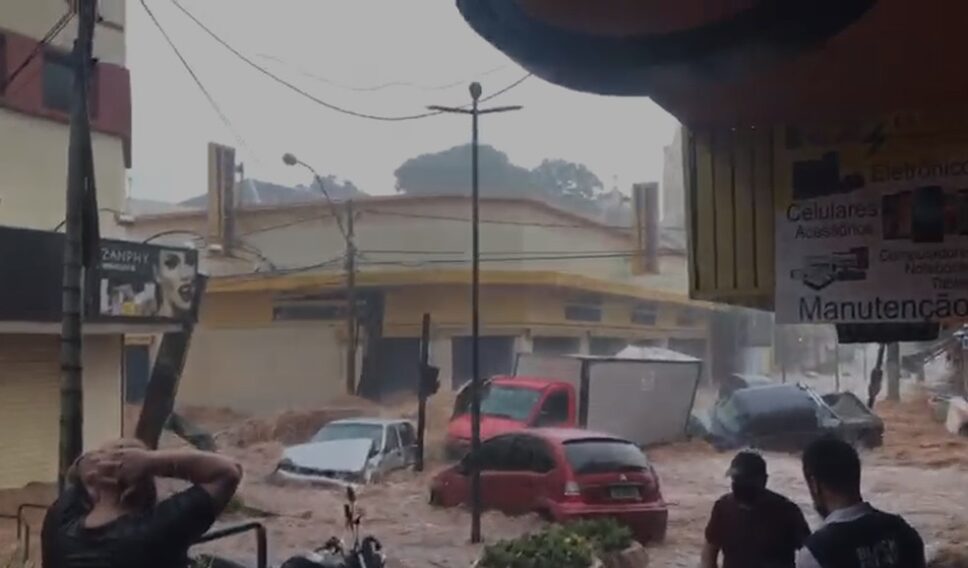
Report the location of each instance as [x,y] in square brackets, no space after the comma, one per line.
[351,451]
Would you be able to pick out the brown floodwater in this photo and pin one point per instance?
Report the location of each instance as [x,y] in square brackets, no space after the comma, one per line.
[919,473]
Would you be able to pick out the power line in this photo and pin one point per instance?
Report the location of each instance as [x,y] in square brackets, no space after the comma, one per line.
[196,79]
[57,28]
[314,98]
[563,253]
[429,216]
[490,221]
[381,86]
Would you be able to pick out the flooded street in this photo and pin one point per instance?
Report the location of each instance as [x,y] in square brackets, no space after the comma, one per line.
[919,473]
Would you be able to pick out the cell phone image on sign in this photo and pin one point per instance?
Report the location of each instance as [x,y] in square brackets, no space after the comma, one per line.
[820,271]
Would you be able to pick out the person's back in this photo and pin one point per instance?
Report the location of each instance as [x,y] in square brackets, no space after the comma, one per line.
[854,534]
[866,537]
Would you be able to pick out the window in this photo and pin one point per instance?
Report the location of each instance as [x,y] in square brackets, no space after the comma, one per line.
[407,435]
[554,410]
[513,403]
[645,314]
[495,453]
[58,83]
[584,308]
[604,456]
[530,454]
[393,439]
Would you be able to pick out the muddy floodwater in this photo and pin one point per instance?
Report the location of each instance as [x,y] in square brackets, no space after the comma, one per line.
[919,473]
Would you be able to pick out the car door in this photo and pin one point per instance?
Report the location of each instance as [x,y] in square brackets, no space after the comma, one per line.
[408,439]
[393,457]
[530,464]
[498,473]
[554,410]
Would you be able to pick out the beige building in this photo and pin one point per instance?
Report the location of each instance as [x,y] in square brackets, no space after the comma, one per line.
[272,334]
[34,108]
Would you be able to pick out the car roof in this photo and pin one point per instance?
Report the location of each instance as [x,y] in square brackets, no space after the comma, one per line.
[372,421]
[563,435]
[532,383]
[772,399]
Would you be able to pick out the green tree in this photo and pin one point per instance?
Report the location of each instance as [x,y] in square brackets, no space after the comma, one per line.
[449,172]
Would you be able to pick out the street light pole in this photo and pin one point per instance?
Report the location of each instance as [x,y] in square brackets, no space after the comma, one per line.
[349,265]
[475,112]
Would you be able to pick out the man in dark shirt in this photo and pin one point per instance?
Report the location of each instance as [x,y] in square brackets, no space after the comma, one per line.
[854,535]
[109,518]
[752,526]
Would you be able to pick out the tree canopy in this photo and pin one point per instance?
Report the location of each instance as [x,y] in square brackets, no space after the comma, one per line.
[449,172]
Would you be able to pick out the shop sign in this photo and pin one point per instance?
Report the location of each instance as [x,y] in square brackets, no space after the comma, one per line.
[873,226]
[142,281]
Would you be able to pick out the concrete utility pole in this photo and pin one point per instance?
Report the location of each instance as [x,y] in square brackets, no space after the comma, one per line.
[349,264]
[350,301]
[475,111]
[78,236]
[894,372]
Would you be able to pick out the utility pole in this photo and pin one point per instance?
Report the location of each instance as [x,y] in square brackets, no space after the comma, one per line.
[79,237]
[894,372]
[475,112]
[349,264]
[350,301]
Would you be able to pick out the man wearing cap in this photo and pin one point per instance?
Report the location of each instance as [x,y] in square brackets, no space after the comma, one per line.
[752,526]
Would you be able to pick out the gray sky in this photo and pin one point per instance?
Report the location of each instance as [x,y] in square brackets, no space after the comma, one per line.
[357,44]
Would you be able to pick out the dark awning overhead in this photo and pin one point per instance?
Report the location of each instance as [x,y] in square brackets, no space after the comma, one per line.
[621,47]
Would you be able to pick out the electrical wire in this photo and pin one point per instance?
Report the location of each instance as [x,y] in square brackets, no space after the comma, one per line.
[428,216]
[56,29]
[196,79]
[381,86]
[316,99]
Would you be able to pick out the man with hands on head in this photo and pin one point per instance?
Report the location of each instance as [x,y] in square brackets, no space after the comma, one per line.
[110,517]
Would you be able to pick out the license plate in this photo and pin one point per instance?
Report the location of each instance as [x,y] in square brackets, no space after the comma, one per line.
[624,493]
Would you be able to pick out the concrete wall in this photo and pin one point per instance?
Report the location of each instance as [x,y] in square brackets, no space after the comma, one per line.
[426,233]
[33,173]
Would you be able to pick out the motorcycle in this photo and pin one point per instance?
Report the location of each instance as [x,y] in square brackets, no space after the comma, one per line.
[364,553]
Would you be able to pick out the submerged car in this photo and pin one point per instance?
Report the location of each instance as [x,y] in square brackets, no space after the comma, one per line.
[562,474]
[351,451]
[787,417]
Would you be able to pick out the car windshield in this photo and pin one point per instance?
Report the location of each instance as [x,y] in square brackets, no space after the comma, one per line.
[602,456]
[351,431]
[513,403]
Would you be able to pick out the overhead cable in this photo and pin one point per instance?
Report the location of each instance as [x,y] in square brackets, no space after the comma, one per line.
[314,98]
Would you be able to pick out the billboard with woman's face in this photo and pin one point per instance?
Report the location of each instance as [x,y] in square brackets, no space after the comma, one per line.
[145,281]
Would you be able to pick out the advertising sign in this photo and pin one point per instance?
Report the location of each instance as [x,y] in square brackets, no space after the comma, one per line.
[872,222]
[145,281]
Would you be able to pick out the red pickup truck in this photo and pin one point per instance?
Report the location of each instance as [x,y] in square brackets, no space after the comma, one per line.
[644,396]
[512,403]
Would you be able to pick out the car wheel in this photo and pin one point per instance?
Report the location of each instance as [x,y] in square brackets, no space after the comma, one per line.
[434,499]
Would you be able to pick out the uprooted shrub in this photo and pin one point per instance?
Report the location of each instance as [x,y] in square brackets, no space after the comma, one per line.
[575,545]
[606,535]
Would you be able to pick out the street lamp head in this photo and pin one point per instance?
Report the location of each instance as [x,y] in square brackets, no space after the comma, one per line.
[476,90]
[289,159]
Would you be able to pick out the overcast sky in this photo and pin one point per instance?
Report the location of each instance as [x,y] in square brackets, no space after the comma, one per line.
[340,50]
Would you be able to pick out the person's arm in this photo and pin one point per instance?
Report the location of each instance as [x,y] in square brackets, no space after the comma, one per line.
[801,530]
[713,544]
[805,559]
[217,475]
[710,556]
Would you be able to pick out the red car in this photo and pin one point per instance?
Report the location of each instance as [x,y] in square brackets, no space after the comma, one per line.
[562,474]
